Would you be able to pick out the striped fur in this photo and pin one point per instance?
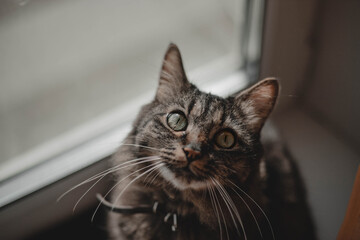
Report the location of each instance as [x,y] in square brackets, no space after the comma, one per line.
[205,193]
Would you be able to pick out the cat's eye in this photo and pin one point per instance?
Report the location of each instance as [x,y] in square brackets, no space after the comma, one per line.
[177,121]
[225,139]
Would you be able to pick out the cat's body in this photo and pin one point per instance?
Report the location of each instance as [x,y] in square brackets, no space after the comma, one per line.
[200,157]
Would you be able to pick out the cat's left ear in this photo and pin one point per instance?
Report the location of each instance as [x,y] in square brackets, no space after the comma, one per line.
[257,102]
[173,79]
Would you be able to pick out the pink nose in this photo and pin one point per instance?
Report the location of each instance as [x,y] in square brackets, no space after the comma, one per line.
[191,154]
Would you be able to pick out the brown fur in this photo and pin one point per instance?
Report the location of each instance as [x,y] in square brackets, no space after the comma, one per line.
[189,186]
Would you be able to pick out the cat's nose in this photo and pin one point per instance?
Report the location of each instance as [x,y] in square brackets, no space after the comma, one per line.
[192,152]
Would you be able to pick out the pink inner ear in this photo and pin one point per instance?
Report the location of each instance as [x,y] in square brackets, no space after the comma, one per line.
[264,96]
[267,91]
[258,101]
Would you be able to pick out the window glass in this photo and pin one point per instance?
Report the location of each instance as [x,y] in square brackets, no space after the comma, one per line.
[64,63]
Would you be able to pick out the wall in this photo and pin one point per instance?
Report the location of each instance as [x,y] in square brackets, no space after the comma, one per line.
[333,94]
[287,46]
[313,47]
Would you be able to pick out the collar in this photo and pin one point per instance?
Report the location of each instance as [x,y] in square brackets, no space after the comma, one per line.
[156,208]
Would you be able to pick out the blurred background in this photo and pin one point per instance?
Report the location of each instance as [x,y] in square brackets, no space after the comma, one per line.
[63,63]
[74,72]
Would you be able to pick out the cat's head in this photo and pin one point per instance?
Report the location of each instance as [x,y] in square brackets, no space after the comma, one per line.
[199,136]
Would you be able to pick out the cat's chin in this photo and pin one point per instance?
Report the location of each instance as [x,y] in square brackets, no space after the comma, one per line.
[183,183]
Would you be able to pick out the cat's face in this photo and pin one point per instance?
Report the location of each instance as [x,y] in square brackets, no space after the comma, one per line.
[200,136]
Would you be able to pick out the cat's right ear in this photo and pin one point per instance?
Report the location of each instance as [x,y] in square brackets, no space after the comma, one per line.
[172,77]
[257,102]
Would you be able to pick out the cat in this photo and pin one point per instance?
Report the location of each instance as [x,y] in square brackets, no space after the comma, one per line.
[200,157]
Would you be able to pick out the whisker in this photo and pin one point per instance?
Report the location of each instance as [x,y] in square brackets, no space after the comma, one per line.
[121,164]
[148,175]
[222,213]
[216,211]
[158,165]
[242,199]
[113,170]
[232,205]
[153,179]
[100,174]
[98,206]
[228,205]
[267,219]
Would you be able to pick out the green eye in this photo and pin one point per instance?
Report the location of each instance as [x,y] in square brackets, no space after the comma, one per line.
[177,121]
[225,139]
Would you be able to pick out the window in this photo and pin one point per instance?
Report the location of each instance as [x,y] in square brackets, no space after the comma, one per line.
[74,74]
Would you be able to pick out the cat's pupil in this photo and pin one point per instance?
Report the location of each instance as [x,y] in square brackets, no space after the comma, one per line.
[177,121]
[225,139]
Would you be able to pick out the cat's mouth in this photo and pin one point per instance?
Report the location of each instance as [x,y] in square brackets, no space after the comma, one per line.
[193,169]
[184,178]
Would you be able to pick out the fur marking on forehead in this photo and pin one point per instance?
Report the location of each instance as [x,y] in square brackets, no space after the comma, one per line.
[196,110]
[218,115]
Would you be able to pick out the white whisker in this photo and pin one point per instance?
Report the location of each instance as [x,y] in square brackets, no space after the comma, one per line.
[113,170]
[148,175]
[221,211]
[121,164]
[231,204]
[216,211]
[98,175]
[98,206]
[228,205]
[267,219]
[136,178]
[153,179]
[242,199]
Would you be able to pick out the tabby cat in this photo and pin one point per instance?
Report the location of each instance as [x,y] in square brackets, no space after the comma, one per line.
[200,157]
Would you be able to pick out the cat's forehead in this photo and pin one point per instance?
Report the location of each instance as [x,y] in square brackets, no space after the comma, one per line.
[197,103]
[206,108]
[206,105]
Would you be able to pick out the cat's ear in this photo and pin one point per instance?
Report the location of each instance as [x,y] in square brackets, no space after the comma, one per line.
[257,102]
[172,76]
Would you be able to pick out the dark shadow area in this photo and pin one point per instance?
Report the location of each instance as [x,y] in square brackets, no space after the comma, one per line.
[78,227]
